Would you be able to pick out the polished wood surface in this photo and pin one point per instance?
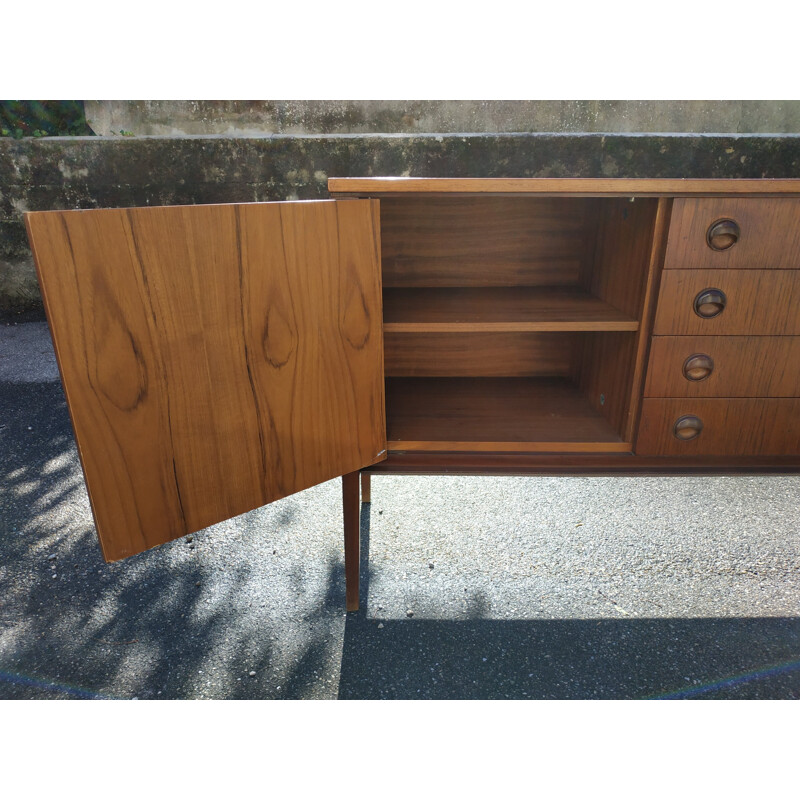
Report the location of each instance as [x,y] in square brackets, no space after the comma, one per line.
[499,310]
[624,267]
[494,414]
[485,241]
[587,464]
[769,233]
[759,302]
[730,426]
[743,366]
[589,187]
[214,358]
[649,304]
[366,488]
[619,267]
[352,539]
[487,355]
[604,376]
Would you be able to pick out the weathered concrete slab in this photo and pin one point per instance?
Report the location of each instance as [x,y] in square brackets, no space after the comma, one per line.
[92,172]
[249,117]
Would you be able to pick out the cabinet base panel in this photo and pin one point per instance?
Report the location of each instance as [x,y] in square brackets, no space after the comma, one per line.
[588,465]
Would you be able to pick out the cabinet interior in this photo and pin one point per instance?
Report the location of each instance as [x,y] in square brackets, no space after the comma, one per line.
[512,323]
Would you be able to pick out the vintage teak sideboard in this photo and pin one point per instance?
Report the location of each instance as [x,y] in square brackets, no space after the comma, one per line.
[218,357]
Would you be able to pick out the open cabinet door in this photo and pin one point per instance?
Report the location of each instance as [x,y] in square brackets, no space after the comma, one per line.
[214,358]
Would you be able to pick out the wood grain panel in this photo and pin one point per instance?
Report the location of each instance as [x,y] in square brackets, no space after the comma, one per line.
[759,302]
[591,187]
[744,366]
[769,239]
[630,236]
[500,414]
[485,241]
[731,426]
[622,258]
[489,355]
[605,375]
[499,309]
[214,358]
[649,305]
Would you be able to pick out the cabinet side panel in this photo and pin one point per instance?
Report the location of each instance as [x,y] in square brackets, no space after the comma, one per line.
[629,253]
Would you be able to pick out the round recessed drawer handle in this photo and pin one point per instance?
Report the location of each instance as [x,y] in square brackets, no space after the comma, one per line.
[687,427]
[722,234]
[710,303]
[698,367]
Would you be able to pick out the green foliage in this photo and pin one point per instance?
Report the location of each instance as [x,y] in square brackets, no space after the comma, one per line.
[19,118]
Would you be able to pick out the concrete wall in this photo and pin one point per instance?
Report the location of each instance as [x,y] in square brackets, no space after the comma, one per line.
[238,117]
[96,172]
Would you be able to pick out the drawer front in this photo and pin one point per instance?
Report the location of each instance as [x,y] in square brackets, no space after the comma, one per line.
[724,366]
[764,234]
[730,427]
[754,302]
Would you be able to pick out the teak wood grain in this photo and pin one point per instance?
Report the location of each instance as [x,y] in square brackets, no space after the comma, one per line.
[485,241]
[743,366]
[769,233]
[604,376]
[214,358]
[624,267]
[661,226]
[489,355]
[493,309]
[759,302]
[731,426]
[581,187]
[622,255]
[501,414]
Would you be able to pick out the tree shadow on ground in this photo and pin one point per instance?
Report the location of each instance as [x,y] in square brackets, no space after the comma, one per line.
[166,625]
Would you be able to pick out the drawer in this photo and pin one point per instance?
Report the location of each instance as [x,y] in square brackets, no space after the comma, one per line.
[753,302]
[757,233]
[730,427]
[724,366]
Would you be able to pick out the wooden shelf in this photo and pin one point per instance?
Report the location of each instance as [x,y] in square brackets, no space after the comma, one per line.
[495,415]
[493,309]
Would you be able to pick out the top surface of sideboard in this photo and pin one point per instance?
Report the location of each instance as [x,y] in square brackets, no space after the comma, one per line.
[589,187]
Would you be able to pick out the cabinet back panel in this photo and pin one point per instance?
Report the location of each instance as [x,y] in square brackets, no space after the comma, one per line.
[486,241]
[488,355]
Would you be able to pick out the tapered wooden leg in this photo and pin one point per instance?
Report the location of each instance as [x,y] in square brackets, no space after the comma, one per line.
[366,487]
[350,509]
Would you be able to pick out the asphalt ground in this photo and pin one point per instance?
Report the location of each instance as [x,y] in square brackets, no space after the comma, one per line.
[478,587]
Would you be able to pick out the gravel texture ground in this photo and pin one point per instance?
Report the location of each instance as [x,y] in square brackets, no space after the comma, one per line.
[472,588]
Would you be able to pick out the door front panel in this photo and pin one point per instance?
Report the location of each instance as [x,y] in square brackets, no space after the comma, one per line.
[214,358]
